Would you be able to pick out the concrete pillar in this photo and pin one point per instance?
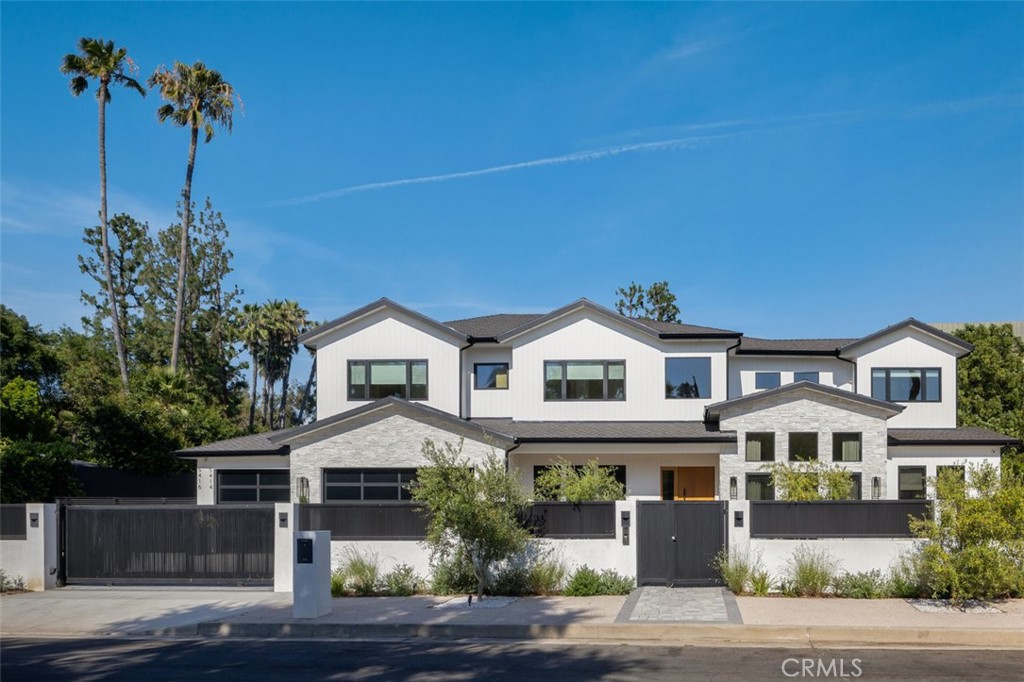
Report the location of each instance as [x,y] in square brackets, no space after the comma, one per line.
[283,544]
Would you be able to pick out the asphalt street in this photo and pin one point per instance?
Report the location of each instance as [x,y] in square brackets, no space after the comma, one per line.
[228,660]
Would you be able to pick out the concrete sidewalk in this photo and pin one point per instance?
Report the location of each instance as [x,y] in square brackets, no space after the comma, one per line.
[178,612]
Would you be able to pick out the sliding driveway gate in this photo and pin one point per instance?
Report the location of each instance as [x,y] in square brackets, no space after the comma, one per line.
[168,544]
[677,542]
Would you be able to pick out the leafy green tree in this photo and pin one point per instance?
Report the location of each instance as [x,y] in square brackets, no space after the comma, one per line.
[25,417]
[27,352]
[571,483]
[472,511]
[656,302]
[197,97]
[36,472]
[975,540]
[109,66]
[990,385]
[810,480]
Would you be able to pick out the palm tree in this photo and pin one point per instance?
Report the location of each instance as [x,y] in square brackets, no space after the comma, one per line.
[100,60]
[197,97]
[294,319]
[251,332]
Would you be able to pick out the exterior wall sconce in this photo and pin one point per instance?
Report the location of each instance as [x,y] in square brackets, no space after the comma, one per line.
[733,493]
[876,488]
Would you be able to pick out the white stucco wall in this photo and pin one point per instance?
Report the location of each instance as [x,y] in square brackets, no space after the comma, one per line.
[387,335]
[583,336]
[909,348]
[743,368]
[206,471]
[933,456]
[793,412]
[393,442]
[34,559]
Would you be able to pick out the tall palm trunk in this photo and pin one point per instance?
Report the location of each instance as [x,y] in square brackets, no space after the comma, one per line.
[186,218]
[266,390]
[255,381]
[115,316]
[305,395]
[284,393]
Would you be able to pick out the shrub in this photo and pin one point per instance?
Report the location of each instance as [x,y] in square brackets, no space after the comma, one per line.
[591,481]
[810,571]
[338,583]
[400,581]
[512,580]
[546,576]
[862,585]
[761,582]
[9,583]
[736,569]
[905,579]
[586,582]
[452,575]
[361,571]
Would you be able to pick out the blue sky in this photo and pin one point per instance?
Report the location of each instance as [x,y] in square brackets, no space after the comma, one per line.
[790,169]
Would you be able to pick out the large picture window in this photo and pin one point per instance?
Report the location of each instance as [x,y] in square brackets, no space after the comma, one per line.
[347,485]
[760,447]
[846,447]
[253,486]
[584,380]
[907,385]
[688,377]
[491,375]
[376,379]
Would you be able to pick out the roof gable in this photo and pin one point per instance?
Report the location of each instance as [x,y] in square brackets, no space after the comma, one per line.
[959,347]
[311,338]
[804,390]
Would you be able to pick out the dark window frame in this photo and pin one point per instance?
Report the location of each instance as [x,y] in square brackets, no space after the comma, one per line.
[757,379]
[476,376]
[669,389]
[366,364]
[767,483]
[924,397]
[815,380]
[565,379]
[857,487]
[923,470]
[402,493]
[817,445]
[747,439]
[259,486]
[837,450]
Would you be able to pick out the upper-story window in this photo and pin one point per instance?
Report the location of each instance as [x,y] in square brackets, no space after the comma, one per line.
[688,377]
[846,447]
[760,447]
[376,379]
[803,447]
[767,380]
[806,376]
[907,385]
[584,380]
[491,375]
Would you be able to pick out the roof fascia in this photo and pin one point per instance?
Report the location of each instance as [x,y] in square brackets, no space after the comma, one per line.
[963,347]
[309,338]
[715,410]
[580,304]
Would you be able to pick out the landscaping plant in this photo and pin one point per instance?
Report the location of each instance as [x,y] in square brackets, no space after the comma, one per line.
[571,483]
[736,568]
[862,585]
[547,576]
[586,582]
[810,572]
[400,581]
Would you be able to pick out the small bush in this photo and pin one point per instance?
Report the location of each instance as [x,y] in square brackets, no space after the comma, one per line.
[9,583]
[512,580]
[453,576]
[400,581]
[358,574]
[736,569]
[586,582]
[810,572]
[905,577]
[862,585]
[546,576]
[338,583]
[761,583]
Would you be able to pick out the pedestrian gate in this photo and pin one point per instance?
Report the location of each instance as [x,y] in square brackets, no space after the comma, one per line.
[167,544]
[677,542]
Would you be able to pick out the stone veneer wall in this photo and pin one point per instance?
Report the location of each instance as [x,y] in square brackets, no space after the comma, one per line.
[394,442]
[823,415]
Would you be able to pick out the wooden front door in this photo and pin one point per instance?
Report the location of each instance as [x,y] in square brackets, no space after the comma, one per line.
[688,483]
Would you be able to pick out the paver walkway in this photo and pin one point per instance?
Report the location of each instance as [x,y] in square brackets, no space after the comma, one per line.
[680,605]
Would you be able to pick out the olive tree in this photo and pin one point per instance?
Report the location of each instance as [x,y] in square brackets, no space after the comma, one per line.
[810,480]
[572,483]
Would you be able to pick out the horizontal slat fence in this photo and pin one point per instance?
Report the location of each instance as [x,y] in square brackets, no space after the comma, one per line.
[12,522]
[366,520]
[569,520]
[835,519]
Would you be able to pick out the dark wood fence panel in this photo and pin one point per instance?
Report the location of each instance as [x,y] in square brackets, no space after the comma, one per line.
[569,520]
[12,522]
[366,520]
[839,519]
[169,544]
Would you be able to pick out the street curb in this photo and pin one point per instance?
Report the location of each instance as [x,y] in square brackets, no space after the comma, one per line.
[676,633]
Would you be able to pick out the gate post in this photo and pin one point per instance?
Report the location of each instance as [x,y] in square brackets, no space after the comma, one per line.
[739,536]
[286,517]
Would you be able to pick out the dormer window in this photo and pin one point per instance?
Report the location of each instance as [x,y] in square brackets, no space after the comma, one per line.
[376,379]
[907,385]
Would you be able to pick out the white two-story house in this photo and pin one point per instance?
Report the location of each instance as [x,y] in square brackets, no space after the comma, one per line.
[682,412]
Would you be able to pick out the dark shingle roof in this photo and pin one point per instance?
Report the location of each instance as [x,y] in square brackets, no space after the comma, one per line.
[490,326]
[680,329]
[910,322]
[752,346]
[662,431]
[253,444]
[964,435]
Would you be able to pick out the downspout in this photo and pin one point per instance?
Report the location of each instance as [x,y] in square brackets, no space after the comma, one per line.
[462,377]
[733,347]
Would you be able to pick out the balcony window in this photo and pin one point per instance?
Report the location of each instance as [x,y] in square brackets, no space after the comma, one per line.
[906,385]
[491,376]
[584,380]
[376,379]
[688,378]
